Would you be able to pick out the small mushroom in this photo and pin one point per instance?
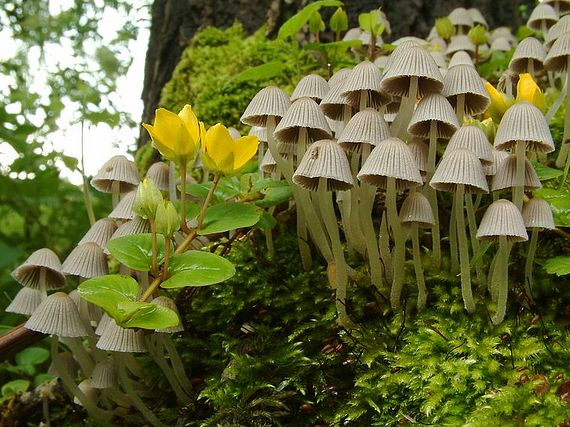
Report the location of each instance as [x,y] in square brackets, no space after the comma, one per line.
[118,175]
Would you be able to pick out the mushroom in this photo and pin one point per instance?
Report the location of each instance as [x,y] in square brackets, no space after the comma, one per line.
[104,375]
[124,209]
[528,57]
[460,42]
[460,57]
[159,172]
[334,105]
[311,86]
[99,233]
[463,88]
[26,301]
[362,88]
[461,20]
[42,271]
[86,261]
[542,17]
[561,27]
[118,175]
[560,6]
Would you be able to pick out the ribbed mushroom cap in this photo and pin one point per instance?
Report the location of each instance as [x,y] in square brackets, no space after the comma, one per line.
[26,301]
[561,27]
[498,157]
[524,122]
[87,260]
[434,107]
[460,17]
[168,303]
[505,177]
[460,42]
[117,169]
[420,151]
[334,103]
[234,133]
[100,233]
[542,13]
[260,132]
[268,163]
[159,173]
[57,315]
[477,17]
[472,138]
[269,101]
[41,263]
[417,62]
[303,113]
[339,76]
[382,62]
[365,127]
[563,5]
[68,362]
[400,51]
[104,375]
[537,213]
[500,44]
[503,32]
[311,86]
[438,57]
[324,159]
[115,338]
[502,218]
[529,49]
[461,58]
[124,209]
[460,166]
[87,311]
[391,158]
[464,79]
[416,209]
[365,80]
[103,322]
[557,57]
[137,225]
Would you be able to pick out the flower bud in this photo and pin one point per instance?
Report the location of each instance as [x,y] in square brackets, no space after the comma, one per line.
[316,23]
[477,35]
[528,90]
[147,199]
[444,28]
[167,220]
[339,21]
[500,102]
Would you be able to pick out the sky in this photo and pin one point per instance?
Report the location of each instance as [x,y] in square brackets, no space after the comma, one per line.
[100,142]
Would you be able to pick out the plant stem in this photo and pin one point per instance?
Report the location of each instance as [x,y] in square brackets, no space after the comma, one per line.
[463,251]
[399,244]
[529,263]
[422,295]
[518,190]
[501,279]
[80,354]
[183,171]
[167,244]
[150,290]
[207,201]
[154,261]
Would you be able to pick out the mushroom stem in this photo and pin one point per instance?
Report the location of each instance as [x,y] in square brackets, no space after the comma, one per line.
[463,251]
[302,235]
[563,158]
[501,279]
[399,244]
[531,67]
[115,193]
[422,295]
[518,189]
[80,354]
[354,224]
[481,278]
[491,286]
[177,364]
[341,274]
[453,251]
[384,247]
[460,108]
[528,281]
[432,195]
[399,127]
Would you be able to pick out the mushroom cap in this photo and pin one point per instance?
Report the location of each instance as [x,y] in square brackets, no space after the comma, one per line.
[269,101]
[460,166]
[86,260]
[168,303]
[68,363]
[464,79]
[503,32]
[501,44]
[260,132]
[391,158]
[115,338]
[563,5]
[29,273]
[104,375]
[365,80]
[417,62]
[528,49]
[57,315]
[268,163]
[400,50]
[303,113]
[100,233]
[26,301]
[334,103]
[416,209]
[117,169]
[502,218]
[461,17]
[561,27]
[159,173]
[472,138]
[324,159]
[365,127]
[103,322]
[557,57]
[505,177]
[87,311]
[137,225]
[311,86]
[460,42]
[542,13]
[420,151]
[438,57]
[124,209]
[477,17]
[339,76]
[537,213]
[460,58]
[524,122]
[433,107]
[498,157]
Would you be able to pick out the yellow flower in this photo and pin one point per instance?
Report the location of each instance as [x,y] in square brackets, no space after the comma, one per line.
[528,90]
[500,102]
[176,136]
[222,154]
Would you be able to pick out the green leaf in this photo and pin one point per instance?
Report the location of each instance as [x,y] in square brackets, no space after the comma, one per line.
[343,44]
[544,172]
[42,378]
[135,251]
[109,291]
[266,221]
[294,24]
[275,196]
[32,356]
[559,265]
[14,387]
[268,70]
[136,314]
[229,216]
[560,203]
[197,268]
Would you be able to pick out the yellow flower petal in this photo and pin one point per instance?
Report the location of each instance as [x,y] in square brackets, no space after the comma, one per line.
[166,151]
[218,143]
[192,125]
[246,147]
[528,90]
